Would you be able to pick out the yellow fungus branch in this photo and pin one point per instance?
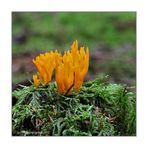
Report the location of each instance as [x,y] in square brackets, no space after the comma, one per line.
[70,68]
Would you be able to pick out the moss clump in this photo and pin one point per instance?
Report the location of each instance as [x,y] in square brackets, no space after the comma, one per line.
[99,109]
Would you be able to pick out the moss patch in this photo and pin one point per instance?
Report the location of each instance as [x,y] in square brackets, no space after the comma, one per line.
[99,109]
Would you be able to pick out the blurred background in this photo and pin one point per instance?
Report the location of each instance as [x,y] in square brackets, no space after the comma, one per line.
[110,37]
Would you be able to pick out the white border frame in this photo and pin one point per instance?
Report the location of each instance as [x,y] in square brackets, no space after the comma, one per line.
[7,6]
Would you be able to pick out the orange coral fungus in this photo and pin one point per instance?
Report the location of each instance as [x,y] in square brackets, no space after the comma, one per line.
[81,63]
[70,68]
[36,80]
[65,74]
[45,64]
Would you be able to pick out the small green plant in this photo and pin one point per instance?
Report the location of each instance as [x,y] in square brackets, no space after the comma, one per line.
[99,109]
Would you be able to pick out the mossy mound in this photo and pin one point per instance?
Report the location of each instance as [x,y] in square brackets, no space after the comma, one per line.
[99,109]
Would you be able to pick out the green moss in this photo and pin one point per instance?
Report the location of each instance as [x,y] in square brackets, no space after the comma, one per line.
[99,109]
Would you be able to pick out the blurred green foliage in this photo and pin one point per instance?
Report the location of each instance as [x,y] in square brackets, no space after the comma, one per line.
[110,37]
[46,31]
